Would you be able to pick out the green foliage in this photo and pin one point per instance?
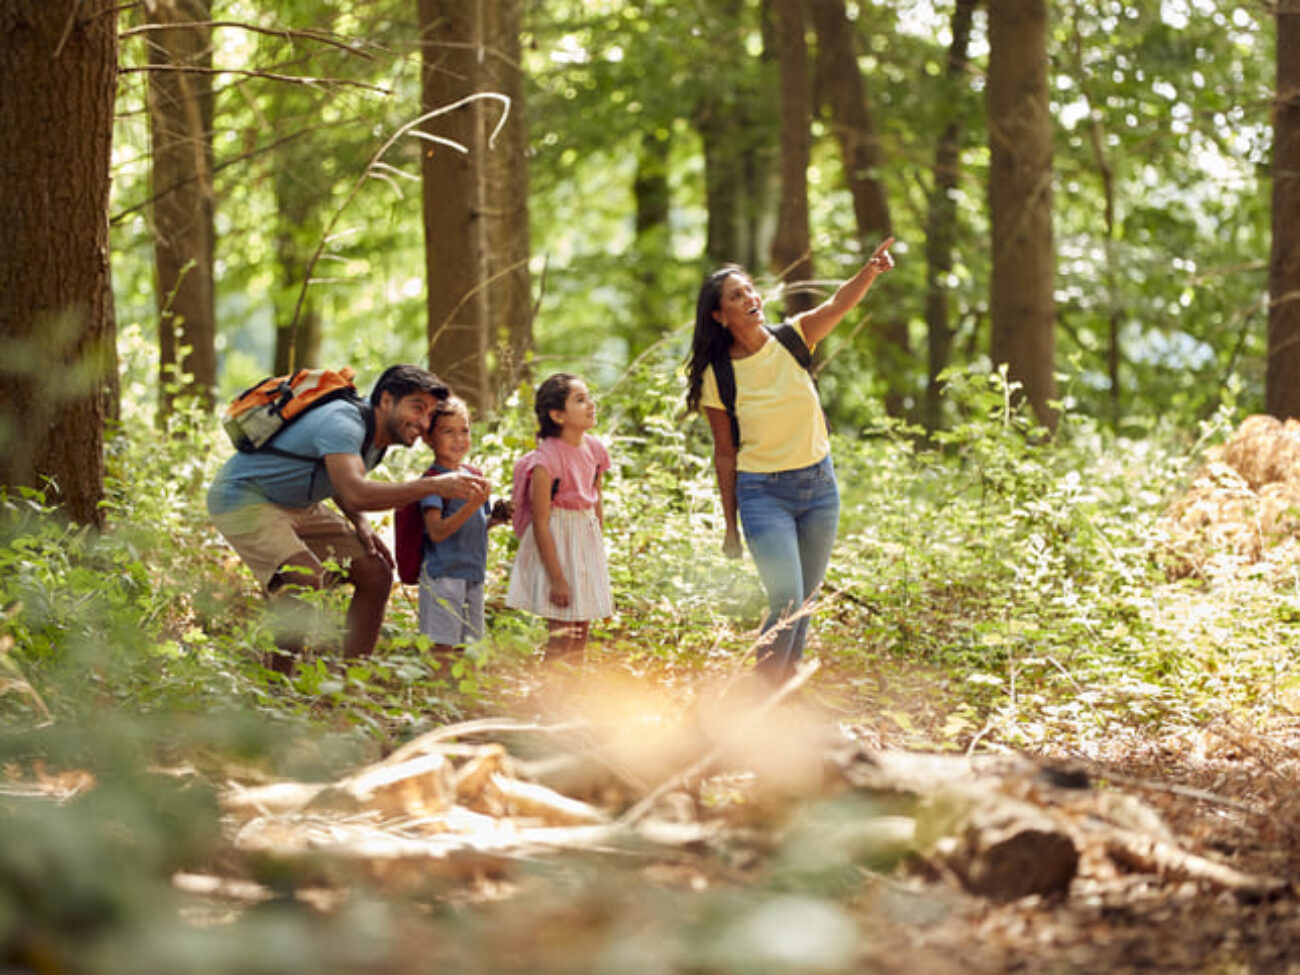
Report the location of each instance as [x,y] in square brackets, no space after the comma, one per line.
[1019,576]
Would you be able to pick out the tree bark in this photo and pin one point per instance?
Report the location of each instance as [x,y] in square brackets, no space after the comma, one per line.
[738,158]
[299,197]
[791,248]
[855,130]
[1282,376]
[180,125]
[58,81]
[510,289]
[455,237]
[1020,201]
[653,245]
[941,220]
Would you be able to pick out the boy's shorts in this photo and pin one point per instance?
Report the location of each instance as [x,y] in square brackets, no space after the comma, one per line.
[451,610]
[266,536]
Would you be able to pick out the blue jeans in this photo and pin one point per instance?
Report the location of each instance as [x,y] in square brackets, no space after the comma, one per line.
[789,520]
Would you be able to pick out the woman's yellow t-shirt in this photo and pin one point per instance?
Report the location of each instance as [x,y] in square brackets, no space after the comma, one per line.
[781,423]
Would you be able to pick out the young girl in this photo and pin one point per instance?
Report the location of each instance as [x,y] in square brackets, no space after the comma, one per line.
[560,571]
[455,553]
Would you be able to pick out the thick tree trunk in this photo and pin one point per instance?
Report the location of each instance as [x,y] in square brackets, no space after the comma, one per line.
[1020,200]
[855,130]
[941,221]
[1282,380]
[180,124]
[454,233]
[510,292]
[791,248]
[58,81]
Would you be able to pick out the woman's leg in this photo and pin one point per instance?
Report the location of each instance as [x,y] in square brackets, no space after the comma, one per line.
[771,533]
[818,522]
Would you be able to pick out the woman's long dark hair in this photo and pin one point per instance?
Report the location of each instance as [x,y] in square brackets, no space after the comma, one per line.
[711,341]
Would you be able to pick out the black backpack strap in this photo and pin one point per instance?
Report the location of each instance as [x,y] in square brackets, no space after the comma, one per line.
[368,415]
[789,336]
[725,375]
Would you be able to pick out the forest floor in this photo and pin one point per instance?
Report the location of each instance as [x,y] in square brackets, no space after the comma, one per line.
[1226,791]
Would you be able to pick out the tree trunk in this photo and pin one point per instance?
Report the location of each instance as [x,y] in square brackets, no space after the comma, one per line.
[510,292]
[791,248]
[855,130]
[180,125]
[941,221]
[738,155]
[1020,200]
[1106,174]
[58,81]
[653,245]
[1282,378]
[298,200]
[455,237]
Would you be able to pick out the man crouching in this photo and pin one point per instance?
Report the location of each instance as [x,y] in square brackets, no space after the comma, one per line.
[269,504]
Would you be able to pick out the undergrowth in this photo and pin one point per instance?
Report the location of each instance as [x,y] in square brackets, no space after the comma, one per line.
[1005,586]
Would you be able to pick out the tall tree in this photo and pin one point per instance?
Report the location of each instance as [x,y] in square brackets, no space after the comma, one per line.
[510,289]
[451,39]
[180,124]
[652,247]
[1282,375]
[941,216]
[1097,143]
[737,138]
[1020,201]
[791,247]
[842,88]
[58,81]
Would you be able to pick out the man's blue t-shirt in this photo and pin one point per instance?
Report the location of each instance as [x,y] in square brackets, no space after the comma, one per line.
[463,554]
[257,478]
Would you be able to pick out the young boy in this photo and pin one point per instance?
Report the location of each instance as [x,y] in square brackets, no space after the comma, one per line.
[455,558]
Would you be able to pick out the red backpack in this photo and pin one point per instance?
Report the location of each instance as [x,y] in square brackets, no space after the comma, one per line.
[409,538]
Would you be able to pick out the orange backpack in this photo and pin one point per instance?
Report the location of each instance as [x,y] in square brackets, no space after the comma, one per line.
[256,415]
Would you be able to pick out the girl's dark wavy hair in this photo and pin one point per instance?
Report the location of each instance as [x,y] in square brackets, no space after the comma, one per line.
[711,341]
[552,394]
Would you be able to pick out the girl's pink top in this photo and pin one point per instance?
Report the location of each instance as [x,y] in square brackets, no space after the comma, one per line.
[576,468]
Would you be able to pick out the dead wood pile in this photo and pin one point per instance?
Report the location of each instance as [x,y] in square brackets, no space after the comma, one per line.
[1243,505]
[443,809]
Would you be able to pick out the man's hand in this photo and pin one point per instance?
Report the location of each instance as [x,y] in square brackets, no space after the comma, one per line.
[471,487]
[374,545]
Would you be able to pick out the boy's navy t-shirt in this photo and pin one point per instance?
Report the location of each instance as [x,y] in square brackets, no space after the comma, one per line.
[463,554]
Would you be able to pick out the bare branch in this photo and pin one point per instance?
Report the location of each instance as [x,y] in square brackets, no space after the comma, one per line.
[365,175]
[322,37]
[293,79]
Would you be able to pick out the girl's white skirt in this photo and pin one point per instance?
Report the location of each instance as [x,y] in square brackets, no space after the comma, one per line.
[581,551]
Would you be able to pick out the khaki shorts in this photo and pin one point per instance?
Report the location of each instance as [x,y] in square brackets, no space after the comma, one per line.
[266,536]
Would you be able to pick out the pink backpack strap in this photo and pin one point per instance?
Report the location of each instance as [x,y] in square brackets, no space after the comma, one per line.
[520,494]
[543,455]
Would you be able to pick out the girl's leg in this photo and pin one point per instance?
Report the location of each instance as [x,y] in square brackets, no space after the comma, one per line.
[567,640]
